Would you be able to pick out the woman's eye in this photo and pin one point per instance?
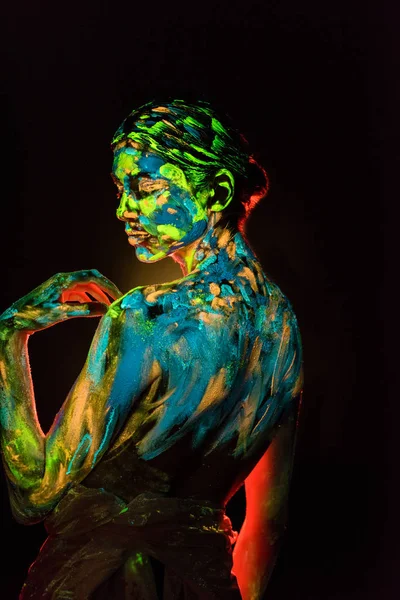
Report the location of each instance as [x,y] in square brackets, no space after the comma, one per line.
[134,188]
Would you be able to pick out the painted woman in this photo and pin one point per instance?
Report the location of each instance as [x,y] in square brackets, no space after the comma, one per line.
[190,389]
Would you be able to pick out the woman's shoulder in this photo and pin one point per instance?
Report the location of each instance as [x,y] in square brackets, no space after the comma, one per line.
[222,294]
[181,312]
[194,296]
[264,301]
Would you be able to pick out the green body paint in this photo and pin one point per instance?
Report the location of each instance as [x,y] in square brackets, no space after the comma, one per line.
[195,375]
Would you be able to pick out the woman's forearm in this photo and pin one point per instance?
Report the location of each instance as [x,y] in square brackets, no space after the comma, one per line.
[22,440]
[40,468]
[263,531]
[255,555]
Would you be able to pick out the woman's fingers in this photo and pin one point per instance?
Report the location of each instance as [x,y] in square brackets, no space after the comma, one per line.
[80,291]
[52,289]
[91,276]
[95,290]
[89,309]
[65,295]
[34,318]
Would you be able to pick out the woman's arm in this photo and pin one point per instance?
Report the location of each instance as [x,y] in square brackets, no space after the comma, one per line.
[22,439]
[261,535]
[267,486]
[39,467]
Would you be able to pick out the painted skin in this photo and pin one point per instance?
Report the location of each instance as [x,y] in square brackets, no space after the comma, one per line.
[214,357]
[162,209]
[157,203]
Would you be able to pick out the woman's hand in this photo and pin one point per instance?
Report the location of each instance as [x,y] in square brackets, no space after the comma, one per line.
[63,296]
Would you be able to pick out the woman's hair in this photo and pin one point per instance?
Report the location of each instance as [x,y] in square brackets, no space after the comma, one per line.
[200,142]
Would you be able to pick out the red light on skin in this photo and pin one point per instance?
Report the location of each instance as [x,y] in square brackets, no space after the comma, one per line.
[260,537]
[254,198]
[78,293]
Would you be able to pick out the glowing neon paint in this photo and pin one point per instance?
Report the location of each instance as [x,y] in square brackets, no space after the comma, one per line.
[189,390]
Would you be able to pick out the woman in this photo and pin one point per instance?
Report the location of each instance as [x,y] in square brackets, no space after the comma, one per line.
[186,386]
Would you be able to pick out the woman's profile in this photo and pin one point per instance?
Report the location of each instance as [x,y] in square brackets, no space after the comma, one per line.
[190,389]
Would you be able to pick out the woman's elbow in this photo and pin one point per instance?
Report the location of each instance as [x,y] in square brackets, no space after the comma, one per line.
[24,509]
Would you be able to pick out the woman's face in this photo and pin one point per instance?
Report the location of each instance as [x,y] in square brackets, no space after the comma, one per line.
[160,206]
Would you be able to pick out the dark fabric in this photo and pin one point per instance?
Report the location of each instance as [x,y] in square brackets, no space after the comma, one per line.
[99,547]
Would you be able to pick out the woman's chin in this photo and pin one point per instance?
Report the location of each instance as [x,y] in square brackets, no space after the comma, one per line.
[145,255]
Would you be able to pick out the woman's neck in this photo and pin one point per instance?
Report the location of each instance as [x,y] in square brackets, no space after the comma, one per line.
[216,237]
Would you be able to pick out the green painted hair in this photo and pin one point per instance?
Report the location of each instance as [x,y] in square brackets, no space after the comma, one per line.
[192,136]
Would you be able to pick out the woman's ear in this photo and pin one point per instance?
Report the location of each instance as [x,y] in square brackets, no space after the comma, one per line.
[222,190]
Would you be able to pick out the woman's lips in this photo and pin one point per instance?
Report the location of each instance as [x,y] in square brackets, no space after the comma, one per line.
[136,236]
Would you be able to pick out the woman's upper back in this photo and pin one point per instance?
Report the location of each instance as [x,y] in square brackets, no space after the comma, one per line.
[225,349]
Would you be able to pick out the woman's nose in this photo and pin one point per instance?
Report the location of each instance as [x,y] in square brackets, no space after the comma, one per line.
[127,208]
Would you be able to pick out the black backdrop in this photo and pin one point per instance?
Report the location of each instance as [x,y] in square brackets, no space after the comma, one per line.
[312,87]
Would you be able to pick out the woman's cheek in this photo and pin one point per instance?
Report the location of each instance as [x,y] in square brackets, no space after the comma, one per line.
[170,232]
[174,216]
